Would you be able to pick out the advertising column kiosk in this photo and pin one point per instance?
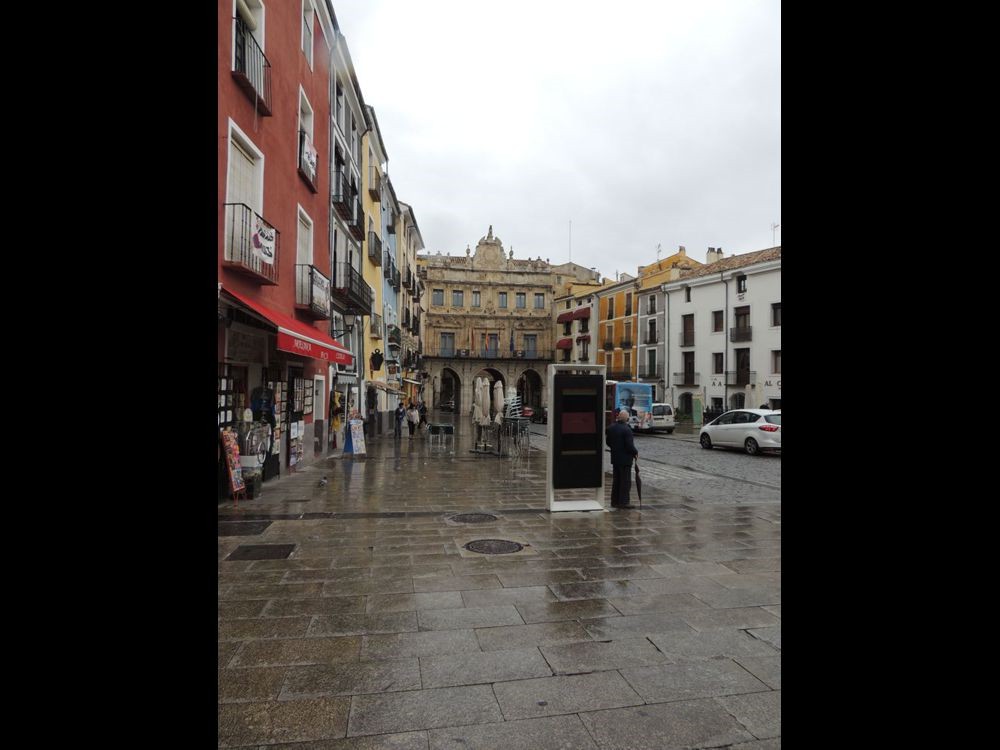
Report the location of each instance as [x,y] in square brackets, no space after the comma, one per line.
[576,437]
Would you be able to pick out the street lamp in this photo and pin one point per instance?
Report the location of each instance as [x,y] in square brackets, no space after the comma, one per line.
[349,317]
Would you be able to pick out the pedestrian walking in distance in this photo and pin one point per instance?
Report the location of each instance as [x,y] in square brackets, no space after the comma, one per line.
[397,423]
[412,418]
[623,452]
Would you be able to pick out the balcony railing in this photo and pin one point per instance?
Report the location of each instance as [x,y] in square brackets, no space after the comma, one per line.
[740,377]
[395,279]
[741,333]
[654,372]
[374,183]
[387,265]
[651,338]
[395,337]
[608,345]
[356,225]
[686,378]
[620,375]
[252,245]
[375,249]
[626,343]
[406,318]
[349,286]
[308,161]
[341,193]
[375,327]
[489,353]
[687,338]
[415,325]
[312,291]
[251,69]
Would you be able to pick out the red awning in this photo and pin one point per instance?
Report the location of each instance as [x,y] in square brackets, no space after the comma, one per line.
[584,337]
[581,312]
[565,317]
[297,337]
[564,344]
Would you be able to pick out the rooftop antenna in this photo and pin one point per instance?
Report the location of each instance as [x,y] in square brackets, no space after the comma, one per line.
[659,249]
[773,227]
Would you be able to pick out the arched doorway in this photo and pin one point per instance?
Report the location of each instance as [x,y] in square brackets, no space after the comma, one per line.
[493,376]
[685,404]
[737,400]
[451,390]
[529,388]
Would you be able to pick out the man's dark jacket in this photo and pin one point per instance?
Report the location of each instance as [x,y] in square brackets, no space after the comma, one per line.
[619,439]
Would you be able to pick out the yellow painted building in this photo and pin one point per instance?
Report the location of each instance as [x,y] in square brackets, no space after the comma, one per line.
[616,329]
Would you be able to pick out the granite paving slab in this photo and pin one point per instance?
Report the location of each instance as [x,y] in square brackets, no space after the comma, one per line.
[745,617]
[282,721]
[549,696]
[555,733]
[414,602]
[297,651]
[424,643]
[423,709]
[677,585]
[517,595]
[732,643]
[468,617]
[760,713]
[263,627]
[522,636]
[249,685]
[684,678]
[238,609]
[326,605]
[555,611]
[490,666]
[644,604]
[362,624]
[595,590]
[455,583]
[767,669]
[667,726]
[227,650]
[321,680]
[577,658]
[772,634]
[404,741]
[733,598]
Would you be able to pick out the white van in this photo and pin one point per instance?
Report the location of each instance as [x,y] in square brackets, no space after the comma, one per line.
[662,417]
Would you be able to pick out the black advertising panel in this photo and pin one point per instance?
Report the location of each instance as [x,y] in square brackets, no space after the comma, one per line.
[577,423]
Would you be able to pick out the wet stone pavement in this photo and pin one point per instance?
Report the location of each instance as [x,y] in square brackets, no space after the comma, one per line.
[352,617]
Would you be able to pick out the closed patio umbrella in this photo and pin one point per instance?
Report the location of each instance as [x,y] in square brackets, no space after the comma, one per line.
[498,402]
[638,483]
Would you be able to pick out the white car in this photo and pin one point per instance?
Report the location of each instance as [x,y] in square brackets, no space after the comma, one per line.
[662,417]
[753,430]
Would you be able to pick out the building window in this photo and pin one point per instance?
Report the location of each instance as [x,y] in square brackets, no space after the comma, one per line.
[567,328]
[447,344]
[717,321]
[776,361]
[628,304]
[503,300]
[520,300]
[627,362]
[776,314]
[476,302]
[304,245]
[651,363]
[611,307]
[742,317]
[567,304]
[246,176]
[687,294]
[539,301]
[741,284]
[530,345]
[585,351]
[651,305]
[717,363]
[457,298]
[307,31]
[437,297]
[610,336]
[339,95]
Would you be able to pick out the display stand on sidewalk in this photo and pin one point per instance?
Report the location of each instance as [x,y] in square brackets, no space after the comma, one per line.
[232,449]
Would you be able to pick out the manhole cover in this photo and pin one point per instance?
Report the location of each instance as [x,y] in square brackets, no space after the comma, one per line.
[473,518]
[494,546]
[261,552]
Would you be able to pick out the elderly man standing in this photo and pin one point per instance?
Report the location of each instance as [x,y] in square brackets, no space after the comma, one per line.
[623,451]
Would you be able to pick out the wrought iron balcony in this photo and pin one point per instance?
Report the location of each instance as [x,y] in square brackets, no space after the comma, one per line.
[251,69]
[741,333]
[308,161]
[608,345]
[395,337]
[356,225]
[341,193]
[375,249]
[312,291]
[686,378]
[626,343]
[415,326]
[620,375]
[251,244]
[651,338]
[652,373]
[374,183]
[375,327]
[395,279]
[406,318]
[350,288]
[740,377]
[687,338]
[387,265]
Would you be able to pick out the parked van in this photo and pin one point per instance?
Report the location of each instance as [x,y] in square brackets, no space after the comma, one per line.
[662,417]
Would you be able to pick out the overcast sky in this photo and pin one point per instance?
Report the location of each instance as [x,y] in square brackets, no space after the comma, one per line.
[643,123]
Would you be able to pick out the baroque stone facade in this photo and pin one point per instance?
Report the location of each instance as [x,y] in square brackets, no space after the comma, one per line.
[489,314]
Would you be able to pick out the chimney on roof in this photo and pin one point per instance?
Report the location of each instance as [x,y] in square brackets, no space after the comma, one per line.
[682,251]
[713,254]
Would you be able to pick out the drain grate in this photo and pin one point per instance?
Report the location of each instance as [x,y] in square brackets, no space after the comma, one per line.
[493,546]
[473,518]
[261,552]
